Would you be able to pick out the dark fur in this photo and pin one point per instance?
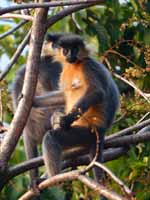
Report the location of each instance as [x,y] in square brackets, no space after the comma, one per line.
[102,92]
[71,41]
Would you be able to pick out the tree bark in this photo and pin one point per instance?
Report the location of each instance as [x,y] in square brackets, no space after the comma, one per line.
[25,104]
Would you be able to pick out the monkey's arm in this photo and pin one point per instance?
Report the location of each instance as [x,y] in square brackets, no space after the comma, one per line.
[91,97]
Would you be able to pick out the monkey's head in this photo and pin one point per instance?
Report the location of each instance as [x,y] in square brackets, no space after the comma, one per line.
[50,43]
[71,48]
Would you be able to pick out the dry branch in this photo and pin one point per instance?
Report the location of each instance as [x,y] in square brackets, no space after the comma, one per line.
[15,56]
[100,189]
[129,130]
[13,29]
[125,189]
[52,99]
[144,136]
[25,104]
[109,154]
[70,176]
[46,5]
[20,16]
[141,93]
[146,115]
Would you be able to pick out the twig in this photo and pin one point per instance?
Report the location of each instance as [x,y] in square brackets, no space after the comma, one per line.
[73,18]
[148,113]
[129,139]
[125,189]
[13,29]
[120,118]
[122,56]
[127,82]
[15,56]
[20,16]
[55,180]
[133,86]
[129,130]
[46,5]
[100,189]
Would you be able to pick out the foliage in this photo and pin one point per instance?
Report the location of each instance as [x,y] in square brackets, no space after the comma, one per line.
[121,35]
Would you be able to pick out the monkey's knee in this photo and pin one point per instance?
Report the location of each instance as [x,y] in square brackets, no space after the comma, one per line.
[51,153]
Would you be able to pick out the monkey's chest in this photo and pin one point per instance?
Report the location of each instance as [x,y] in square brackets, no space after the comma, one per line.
[74,85]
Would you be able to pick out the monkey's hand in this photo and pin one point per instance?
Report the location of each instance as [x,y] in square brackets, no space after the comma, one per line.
[55,119]
[66,121]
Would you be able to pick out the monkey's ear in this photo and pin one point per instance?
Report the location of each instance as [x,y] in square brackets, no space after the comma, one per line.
[53,37]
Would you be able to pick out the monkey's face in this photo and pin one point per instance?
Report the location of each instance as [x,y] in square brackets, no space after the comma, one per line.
[50,44]
[70,55]
[71,49]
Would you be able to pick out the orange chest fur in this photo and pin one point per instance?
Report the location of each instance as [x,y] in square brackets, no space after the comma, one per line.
[73,83]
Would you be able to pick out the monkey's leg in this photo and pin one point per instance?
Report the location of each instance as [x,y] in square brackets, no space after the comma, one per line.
[31,152]
[56,141]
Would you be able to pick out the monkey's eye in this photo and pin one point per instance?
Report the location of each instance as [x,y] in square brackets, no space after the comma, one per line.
[65,51]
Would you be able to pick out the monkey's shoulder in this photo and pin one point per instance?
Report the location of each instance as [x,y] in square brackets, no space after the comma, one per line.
[97,73]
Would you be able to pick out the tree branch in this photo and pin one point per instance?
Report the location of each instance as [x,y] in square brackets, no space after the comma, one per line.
[109,154]
[100,189]
[67,11]
[52,99]
[25,104]
[15,56]
[46,5]
[21,16]
[13,29]
[70,176]
[129,130]
[133,86]
[140,120]
[124,188]
[140,92]
[144,136]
